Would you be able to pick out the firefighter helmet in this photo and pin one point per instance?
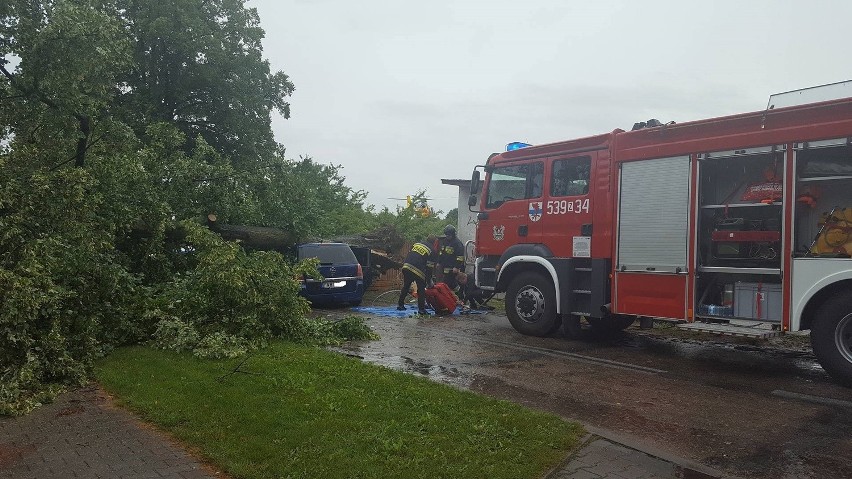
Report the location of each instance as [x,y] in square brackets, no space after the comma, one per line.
[450,231]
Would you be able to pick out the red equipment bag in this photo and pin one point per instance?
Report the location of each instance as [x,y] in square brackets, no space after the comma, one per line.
[769,191]
[441,298]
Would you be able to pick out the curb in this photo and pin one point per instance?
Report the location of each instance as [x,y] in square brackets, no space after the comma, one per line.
[687,468]
[584,441]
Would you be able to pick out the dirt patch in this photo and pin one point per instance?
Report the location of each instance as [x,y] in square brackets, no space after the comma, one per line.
[11,454]
[70,411]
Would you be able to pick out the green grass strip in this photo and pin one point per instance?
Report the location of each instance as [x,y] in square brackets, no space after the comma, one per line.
[304,412]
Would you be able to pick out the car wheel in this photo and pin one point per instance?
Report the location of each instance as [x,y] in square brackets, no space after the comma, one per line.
[831,337]
[531,305]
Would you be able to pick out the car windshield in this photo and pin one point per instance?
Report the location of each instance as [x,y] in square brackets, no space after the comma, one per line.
[328,253]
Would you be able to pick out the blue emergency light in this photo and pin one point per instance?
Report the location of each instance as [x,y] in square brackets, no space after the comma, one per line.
[516,145]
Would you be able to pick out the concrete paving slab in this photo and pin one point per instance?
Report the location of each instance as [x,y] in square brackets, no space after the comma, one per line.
[601,458]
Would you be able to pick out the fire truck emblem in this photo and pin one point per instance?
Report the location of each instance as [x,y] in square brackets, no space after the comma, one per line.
[499,233]
[535,210]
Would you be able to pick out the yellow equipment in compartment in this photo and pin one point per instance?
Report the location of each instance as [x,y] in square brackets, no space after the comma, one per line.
[835,233]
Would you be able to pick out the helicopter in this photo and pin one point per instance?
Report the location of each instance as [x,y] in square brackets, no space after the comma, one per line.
[418,203]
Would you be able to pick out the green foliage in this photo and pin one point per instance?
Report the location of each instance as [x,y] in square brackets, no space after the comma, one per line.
[326,332]
[63,299]
[199,65]
[452,217]
[164,109]
[235,301]
[175,335]
[353,328]
[234,292]
[219,345]
[179,336]
[306,197]
[49,38]
[410,223]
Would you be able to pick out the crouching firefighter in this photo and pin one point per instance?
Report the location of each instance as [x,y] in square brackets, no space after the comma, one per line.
[417,269]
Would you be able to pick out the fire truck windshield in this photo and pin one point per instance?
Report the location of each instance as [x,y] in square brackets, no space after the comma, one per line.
[514,183]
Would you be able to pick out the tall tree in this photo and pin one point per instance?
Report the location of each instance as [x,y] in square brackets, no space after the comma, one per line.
[198,64]
[164,109]
[69,56]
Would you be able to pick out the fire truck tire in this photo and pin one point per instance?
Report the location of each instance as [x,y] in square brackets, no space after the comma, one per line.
[831,337]
[531,305]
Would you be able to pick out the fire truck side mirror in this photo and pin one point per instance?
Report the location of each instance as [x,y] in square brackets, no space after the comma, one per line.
[472,199]
[474,185]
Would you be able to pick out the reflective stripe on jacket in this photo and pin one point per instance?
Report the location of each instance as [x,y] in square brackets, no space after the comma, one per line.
[420,261]
[451,255]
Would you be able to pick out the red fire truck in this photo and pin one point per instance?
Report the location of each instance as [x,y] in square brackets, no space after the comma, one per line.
[737,225]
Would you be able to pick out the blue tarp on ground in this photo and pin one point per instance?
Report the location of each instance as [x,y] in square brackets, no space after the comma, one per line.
[391,311]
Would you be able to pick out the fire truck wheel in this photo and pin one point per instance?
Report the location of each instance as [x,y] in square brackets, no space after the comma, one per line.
[531,305]
[831,337]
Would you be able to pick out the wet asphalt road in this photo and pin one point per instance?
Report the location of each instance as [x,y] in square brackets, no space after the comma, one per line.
[750,411]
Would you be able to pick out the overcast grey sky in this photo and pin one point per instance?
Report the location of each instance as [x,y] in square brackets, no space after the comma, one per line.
[405,93]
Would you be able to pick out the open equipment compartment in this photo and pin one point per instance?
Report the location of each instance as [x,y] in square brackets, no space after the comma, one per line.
[823,214]
[739,245]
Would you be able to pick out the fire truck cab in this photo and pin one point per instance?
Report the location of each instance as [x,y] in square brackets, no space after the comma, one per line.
[736,225]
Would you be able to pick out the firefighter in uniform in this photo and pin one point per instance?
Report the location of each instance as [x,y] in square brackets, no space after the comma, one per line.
[450,256]
[417,269]
[469,293]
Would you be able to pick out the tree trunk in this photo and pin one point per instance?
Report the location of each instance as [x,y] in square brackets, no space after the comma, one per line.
[254,237]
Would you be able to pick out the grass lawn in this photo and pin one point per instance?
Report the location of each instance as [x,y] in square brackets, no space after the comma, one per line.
[304,412]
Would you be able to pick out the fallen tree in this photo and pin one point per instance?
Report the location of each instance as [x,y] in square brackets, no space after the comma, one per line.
[259,238]
[381,243]
[384,238]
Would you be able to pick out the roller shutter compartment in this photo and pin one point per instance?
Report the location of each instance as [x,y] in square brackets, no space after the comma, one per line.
[653,215]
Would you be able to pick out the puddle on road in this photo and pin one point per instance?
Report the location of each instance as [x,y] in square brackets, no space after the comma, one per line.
[442,374]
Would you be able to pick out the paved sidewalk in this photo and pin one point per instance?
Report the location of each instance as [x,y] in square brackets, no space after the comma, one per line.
[602,458]
[83,435]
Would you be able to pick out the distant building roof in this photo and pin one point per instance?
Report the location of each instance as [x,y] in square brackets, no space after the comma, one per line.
[455,182]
